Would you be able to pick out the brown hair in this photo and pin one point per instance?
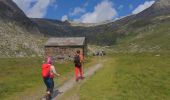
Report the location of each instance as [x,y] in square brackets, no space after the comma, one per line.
[78,51]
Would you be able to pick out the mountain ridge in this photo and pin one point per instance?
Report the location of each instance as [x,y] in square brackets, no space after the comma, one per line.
[113,29]
[22,36]
[19,36]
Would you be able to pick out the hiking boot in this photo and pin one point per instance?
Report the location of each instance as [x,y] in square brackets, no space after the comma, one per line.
[48,97]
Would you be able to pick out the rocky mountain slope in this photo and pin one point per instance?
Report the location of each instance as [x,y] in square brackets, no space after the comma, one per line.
[146,31]
[19,36]
[106,33]
[11,12]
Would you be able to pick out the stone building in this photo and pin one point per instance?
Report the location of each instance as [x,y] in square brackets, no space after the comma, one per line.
[64,48]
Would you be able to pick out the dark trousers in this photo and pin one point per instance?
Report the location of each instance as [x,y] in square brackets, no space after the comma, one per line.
[51,85]
[47,82]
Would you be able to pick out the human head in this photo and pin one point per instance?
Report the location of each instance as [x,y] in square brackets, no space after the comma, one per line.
[49,60]
[78,51]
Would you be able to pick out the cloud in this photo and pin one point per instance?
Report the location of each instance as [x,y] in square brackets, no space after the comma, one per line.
[24,4]
[77,11]
[34,8]
[103,11]
[142,7]
[39,9]
[120,7]
[64,18]
[53,4]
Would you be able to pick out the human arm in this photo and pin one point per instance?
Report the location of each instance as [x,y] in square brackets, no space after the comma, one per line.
[81,58]
[54,71]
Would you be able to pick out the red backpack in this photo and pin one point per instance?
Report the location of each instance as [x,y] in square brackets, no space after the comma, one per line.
[46,70]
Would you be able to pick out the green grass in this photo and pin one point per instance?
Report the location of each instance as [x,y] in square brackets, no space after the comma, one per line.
[150,38]
[18,74]
[74,93]
[22,76]
[129,77]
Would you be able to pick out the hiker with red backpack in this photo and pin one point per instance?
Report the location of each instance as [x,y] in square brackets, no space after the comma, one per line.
[78,60]
[48,72]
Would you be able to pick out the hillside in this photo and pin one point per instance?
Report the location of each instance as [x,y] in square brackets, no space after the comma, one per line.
[112,33]
[11,12]
[18,34]
[154,37]
[106,33]
[22,36]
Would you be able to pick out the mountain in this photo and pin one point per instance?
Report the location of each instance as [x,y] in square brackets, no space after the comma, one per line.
[18,34]
[160,7]
[150,38]
[11,12]
[107,33]
[52,27]
[147,31]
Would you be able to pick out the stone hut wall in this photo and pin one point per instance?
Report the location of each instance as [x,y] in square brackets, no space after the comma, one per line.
[62,53]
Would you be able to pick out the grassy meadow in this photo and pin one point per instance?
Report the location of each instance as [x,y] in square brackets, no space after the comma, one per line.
[124,76]
[133,76]
[24,74]
[21,77]
[130,77]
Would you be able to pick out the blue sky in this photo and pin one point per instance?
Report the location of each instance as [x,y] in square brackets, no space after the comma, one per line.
[86,11]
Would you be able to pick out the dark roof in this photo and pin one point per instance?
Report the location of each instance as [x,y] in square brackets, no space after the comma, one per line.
[66,41]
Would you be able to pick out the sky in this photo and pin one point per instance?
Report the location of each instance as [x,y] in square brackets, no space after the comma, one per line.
[85,11]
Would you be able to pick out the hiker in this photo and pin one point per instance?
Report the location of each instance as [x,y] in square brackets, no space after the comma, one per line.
[48,71]
[78,60]
[45,75]
[52,73]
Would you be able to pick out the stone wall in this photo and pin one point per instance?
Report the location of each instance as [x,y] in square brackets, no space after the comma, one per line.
[62,53]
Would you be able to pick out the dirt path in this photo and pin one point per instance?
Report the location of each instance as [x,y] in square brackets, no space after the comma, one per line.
[71,83]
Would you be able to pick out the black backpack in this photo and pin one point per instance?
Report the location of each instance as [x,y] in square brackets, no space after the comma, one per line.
[77,61]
